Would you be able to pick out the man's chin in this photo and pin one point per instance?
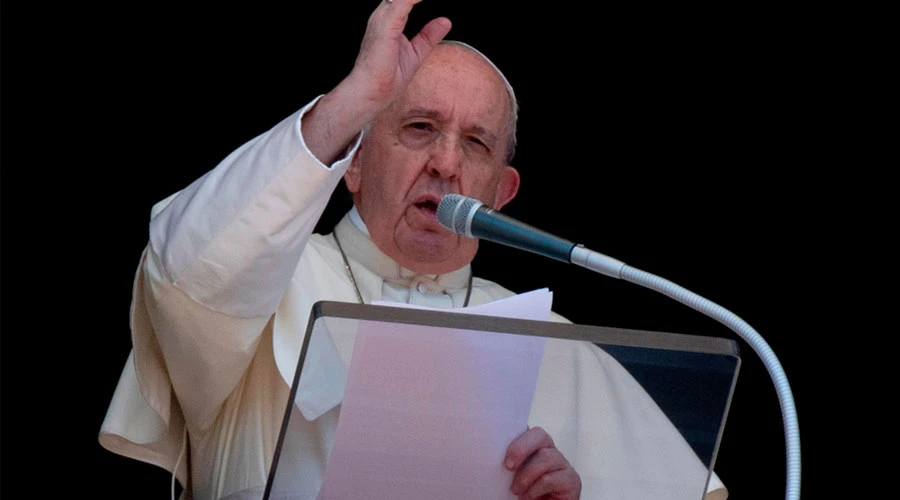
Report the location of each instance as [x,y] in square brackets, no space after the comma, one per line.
[435,253]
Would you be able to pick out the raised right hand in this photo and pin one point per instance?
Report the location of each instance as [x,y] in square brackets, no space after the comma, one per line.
[387,60]
[386,63]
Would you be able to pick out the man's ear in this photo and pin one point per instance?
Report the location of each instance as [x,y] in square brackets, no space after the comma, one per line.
[507,187]
[352,175]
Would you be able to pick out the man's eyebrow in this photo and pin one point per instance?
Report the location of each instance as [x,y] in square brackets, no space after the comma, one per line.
[422,112]
[434,114]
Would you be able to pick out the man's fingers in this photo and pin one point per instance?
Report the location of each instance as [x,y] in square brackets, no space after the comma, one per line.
[396,9]
[542,462]
[390,18]
[526,444]
[562,484]
[430,35]
[387,60]
[541,469]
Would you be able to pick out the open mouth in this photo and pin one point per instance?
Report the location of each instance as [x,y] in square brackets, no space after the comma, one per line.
[427,205]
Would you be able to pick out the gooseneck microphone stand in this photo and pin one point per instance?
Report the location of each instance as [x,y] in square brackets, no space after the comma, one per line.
[469,217]
[614,268]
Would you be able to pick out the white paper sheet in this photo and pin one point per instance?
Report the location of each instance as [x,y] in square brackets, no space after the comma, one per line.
[428,412]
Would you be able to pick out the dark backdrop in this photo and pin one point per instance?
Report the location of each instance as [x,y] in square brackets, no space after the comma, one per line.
[685,141]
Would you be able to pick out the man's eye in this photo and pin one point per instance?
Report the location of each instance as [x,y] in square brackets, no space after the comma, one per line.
[423,126]
[475,141]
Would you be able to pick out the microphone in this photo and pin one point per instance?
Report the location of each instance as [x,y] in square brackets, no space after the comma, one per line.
[470,217]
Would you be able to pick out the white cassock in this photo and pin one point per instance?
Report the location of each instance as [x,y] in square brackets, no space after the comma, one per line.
[220,306]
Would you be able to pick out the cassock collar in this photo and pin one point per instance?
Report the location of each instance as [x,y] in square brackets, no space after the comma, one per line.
[360,248]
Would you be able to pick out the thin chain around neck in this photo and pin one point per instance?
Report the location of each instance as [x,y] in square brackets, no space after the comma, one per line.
[356,287]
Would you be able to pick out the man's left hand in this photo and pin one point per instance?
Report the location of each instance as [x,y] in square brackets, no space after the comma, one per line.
[541,470]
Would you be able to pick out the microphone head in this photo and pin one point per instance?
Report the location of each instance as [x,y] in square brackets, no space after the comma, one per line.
[455,213]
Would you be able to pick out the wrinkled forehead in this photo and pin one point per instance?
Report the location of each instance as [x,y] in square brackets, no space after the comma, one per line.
[511,94]
[456,81]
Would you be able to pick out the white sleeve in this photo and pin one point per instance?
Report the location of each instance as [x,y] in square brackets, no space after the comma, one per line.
[221,254]
[232,239]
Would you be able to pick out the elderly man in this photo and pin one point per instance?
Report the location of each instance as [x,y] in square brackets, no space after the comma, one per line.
[226,283]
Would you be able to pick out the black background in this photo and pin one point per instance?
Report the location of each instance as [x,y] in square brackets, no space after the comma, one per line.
[692,142]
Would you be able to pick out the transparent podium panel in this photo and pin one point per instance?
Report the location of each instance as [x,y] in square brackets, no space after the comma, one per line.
[408,404]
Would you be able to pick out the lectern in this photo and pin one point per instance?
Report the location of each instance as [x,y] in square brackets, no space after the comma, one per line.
[640,414]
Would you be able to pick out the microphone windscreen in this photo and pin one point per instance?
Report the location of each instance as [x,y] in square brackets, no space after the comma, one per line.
[453,211]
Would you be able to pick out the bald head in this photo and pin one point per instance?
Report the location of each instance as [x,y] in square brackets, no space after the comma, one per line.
[513,102]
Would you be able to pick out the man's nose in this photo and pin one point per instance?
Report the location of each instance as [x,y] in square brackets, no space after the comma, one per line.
[445,158]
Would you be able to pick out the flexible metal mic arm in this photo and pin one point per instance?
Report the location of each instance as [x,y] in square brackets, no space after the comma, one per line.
[614,268]
[468,217]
